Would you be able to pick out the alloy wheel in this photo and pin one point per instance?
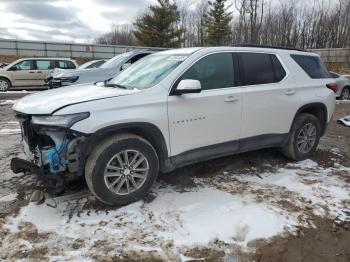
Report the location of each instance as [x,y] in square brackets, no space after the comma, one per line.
[345,94]
[306,138]
[3,85]
[126,172]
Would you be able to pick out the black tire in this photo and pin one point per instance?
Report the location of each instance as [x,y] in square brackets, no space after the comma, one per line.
[291,150]
[345,93]
[6,82]
[98,160]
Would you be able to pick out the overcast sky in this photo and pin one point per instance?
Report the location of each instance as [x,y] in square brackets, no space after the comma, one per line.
[65,20]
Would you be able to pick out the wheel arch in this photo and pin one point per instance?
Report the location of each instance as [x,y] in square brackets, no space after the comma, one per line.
[148,131]
[317,109]
[7,78]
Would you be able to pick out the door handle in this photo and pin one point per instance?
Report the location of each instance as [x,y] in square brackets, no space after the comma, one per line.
[39,71]
[290,92]
[31,72]
[231,99]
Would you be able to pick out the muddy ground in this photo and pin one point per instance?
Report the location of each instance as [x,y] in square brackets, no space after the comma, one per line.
[318,237]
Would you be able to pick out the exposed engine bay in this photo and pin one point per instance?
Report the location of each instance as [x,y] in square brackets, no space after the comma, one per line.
[50,150]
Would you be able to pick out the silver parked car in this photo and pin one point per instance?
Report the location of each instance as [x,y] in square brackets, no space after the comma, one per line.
[106,71]
[343,84]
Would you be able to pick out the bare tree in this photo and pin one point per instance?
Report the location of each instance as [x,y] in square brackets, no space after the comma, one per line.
[296,23]
[119,35]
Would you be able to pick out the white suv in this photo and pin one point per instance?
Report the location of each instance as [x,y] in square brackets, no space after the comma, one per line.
[174,108]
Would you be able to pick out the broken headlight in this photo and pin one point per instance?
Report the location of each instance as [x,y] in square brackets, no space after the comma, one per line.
[59,120]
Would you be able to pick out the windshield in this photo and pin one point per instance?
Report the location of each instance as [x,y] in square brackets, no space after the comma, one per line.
[149,71]
[115,61]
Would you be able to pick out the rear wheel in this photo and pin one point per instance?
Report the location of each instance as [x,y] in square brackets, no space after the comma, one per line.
[122,169]
[4,84]
[345,93]
[303,138]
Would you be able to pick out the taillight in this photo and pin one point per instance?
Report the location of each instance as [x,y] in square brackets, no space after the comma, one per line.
[333,87]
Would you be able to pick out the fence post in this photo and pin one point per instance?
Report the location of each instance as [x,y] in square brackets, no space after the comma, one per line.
[16,47]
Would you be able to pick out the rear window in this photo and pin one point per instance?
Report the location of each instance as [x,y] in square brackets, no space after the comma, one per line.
[261,68]
[312,65]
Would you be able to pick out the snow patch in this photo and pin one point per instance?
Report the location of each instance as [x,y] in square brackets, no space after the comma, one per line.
[10,131]
[191,218]
[7,102]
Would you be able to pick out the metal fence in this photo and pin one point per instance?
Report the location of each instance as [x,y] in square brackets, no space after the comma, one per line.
[334,55]
[53,49]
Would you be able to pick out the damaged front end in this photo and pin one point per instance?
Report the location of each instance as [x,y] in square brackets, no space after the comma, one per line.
[54,151]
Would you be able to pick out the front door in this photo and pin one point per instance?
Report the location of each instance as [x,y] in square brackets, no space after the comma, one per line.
[23,73]
[209,120]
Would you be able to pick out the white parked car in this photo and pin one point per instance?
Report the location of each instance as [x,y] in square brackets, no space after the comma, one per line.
[174,108]
[106,71]
[343,84]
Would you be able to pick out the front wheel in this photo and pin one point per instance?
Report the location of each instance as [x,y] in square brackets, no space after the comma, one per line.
[4,84]
[122,169]
[303,138]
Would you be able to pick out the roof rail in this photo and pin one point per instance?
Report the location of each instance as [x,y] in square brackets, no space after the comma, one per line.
[270,46]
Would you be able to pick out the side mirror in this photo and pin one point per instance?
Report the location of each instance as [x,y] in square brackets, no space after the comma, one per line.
[13,68]
[188,86]
[125,66]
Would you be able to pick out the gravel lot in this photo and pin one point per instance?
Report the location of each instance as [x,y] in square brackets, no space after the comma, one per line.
[254,206]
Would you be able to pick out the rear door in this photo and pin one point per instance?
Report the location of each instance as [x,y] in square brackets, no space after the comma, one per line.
[43,68]
[268,102]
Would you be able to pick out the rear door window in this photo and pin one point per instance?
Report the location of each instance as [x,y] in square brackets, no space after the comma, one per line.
[259,68]
[279,71]
[312,65]
[44,64]
[213,71]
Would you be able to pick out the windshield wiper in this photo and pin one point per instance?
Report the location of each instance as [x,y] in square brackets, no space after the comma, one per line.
[116,85]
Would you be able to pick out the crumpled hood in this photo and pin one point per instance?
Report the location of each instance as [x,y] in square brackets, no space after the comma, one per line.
[47,102]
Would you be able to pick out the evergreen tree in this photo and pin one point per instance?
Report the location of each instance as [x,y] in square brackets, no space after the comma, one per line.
[217,22]
[159,26]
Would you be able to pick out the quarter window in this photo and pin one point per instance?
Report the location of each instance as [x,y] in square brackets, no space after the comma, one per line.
[213,71]
[334,75]
[261,68]
[66,64]
[312,65]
